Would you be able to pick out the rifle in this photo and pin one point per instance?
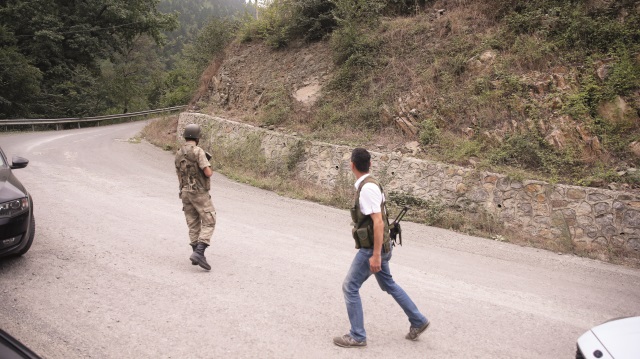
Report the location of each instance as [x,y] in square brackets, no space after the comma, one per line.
[394,228]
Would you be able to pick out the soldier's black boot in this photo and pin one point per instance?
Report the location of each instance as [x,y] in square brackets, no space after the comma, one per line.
[198,256]
[194,249]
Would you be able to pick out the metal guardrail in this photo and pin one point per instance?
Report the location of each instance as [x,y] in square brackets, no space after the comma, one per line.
[78,120]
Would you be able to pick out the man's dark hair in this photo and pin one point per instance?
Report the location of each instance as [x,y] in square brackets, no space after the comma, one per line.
[361,159]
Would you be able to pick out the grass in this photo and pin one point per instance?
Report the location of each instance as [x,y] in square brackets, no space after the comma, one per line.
[278,106]
[162,133]
[244,161]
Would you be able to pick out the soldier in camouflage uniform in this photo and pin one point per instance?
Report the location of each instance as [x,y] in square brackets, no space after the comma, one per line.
[194,172]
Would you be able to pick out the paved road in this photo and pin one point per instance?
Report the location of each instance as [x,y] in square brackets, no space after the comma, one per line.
[108,275]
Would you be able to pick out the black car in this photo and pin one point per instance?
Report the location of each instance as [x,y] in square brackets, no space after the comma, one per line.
[17,226]
[10,348]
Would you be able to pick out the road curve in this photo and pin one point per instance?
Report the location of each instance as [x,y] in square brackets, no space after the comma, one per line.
[108,275]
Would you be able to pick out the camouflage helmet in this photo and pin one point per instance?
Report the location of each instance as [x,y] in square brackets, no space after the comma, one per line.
[192,132]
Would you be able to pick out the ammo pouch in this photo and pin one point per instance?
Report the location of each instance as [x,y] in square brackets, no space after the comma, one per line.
[360,232]
[361,236]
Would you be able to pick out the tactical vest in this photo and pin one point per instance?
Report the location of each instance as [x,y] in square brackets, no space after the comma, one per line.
[191,177]
[363,224]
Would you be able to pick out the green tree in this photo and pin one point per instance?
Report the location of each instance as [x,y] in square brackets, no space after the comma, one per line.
[19,83]
[66,41]
[131,75]
[182,81]
[193,16]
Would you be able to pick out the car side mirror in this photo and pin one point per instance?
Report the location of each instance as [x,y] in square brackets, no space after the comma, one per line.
[19,162]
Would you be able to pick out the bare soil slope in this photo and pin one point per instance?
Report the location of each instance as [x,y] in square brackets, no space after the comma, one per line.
[253,77]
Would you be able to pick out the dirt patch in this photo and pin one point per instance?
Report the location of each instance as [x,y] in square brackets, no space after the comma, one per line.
[250,72]
[309,94]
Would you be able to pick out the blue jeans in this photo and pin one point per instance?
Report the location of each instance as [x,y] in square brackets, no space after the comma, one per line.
[358,274]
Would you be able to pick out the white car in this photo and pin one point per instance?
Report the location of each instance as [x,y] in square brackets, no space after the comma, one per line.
[615,339]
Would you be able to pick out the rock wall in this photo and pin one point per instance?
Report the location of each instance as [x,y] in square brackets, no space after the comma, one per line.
[590,218]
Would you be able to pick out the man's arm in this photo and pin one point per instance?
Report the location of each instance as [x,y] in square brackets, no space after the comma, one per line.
[204,164]
[375,262]
[208,171]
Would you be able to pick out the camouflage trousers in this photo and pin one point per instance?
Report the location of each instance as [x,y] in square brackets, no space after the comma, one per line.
[200,215]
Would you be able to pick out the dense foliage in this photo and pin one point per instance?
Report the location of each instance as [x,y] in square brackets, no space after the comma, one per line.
[81,58]
[193,16]
[51,49]
[181,82]
[284,21]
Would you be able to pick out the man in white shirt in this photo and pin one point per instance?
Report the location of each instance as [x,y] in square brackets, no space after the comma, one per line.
[371,233]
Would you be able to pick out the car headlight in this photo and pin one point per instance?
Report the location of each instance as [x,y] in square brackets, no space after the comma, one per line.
[14,208]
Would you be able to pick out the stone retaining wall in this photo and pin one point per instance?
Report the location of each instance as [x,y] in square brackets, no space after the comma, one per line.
[591,218]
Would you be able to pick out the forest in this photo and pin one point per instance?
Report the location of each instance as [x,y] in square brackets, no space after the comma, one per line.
[86,58]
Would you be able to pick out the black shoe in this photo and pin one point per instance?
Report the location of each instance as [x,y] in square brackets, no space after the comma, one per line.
[194,249]
[198,256]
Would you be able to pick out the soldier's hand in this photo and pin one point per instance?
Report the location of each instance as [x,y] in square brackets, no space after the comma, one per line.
[375,263]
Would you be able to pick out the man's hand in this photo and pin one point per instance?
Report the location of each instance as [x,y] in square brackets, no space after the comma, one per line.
[375,263]
[208,171]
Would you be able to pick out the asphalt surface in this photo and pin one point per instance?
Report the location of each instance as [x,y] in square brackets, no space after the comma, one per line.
[108,275]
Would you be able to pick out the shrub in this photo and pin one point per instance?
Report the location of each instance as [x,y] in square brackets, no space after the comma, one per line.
[533,53]
[358,11]
[585,102]
[530,151]
[278,107]
[482,85]
[625,73]
[327,115]
[403,7]
[314,19]
[344,79]
[275,23]
[356,46]
[365,112]
[458,150]
[571,25]
[286,20]
[429,132]
[357,52]
[245,156]
[296,154]
[521,150]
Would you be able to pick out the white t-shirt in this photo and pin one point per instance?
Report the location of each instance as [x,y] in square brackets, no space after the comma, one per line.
[370,197]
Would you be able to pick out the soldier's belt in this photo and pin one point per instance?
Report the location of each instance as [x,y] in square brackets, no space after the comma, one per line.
[194,190]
